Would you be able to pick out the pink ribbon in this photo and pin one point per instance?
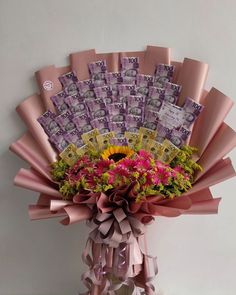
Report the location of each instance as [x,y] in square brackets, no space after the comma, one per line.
[98,278]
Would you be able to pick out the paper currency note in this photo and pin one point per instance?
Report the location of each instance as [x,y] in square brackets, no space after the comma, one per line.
[135,105]
[125,90]
[163,73]
[82,122]
[118,127]
[97,72]
[90,138]
[97,108]
[142,83]
[68,79]
[104,92]
[129,69]
[58,140]
[104,140]
[83,150]
[156,148]
[113,79]
[69,154]
[151,119]
[170,151]
[133,123]
[59,101]
[172,92]
[155,98]
[122,141]
[147,135]
[48,122]
[68,82]
[191,110]
[101,124]
[179,137]
[65,122]
[116,112]
[74,136]
[76,104]
[86,89]
[134,140]
[163,132]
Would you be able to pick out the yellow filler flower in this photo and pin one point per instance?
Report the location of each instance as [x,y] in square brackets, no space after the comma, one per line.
[117,153]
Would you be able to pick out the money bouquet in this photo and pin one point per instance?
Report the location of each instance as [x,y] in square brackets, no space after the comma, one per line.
[116,140]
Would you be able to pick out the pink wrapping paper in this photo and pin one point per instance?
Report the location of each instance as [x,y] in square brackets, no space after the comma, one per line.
[216,108]
[149,58]
[79,62]
[27,149]
[222,143]
[29,111]
[31,180]
[63,70]
[49,84]
[153,56]
[221,171]
[192,77]
[178,68]
[112,60]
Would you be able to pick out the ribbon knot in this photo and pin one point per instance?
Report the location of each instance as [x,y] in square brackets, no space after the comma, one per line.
[114,228]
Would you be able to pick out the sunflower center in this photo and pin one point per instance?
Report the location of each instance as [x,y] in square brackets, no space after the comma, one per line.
[117,156]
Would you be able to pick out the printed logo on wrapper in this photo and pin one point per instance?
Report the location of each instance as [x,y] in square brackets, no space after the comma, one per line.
[48,85]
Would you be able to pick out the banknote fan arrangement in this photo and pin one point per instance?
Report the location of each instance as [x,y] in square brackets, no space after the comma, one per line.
[116,140]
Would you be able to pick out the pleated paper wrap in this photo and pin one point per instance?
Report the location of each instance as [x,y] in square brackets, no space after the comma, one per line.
[116,245]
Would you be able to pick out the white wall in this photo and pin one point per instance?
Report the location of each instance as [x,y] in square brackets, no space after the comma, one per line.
[196,255]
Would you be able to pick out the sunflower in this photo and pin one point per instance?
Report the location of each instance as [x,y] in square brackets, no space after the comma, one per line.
[117,153]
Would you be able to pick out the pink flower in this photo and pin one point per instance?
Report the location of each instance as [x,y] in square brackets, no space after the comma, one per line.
[103,166]
[144,154]
[127,163]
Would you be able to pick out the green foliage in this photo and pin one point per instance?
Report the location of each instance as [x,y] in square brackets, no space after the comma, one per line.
[103,188]
[81,184]
[93,154]
[58,170]
[67,189]
[174,188]
[138,147]
[184,159]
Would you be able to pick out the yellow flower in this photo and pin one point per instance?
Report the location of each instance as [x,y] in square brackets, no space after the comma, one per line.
[117,153]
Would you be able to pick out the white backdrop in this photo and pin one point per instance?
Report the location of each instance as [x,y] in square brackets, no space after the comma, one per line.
[196,255]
